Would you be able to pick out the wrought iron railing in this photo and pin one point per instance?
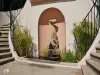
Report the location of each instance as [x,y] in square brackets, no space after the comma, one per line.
[92,22]
[15,10]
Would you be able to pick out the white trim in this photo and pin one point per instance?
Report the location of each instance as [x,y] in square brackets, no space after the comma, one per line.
[14,54]
[52,65]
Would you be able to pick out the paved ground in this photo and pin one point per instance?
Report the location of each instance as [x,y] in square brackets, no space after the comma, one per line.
[49,61]
[20,68]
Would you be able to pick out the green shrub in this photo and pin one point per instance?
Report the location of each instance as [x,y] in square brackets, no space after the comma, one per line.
[67,57]
[84,34]
[44,53]
[23,41]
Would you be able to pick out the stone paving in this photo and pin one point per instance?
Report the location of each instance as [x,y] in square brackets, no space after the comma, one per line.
[21,68]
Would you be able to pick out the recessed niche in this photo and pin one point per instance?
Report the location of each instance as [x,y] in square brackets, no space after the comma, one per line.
[47,32]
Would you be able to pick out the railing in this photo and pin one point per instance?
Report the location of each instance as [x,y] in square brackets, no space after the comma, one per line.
[92,23]
[13,17]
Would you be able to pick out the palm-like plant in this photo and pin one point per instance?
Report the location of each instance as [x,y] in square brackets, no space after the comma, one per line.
[84,34]
[22,41]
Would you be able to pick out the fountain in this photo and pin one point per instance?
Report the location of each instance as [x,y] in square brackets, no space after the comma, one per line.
[53,53]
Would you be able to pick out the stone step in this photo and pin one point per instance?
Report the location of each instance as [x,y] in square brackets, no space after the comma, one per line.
[86,70]
[95,57]
[4,44]
[5,55]
[97,47]
[2,50]
[94,65]
[5,26]
[4,36]
[6,60]
[3,29]
[3,39]
[4,33]
[3,47]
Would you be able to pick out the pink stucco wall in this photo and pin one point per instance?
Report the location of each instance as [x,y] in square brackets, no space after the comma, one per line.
[43,37]
[62,35]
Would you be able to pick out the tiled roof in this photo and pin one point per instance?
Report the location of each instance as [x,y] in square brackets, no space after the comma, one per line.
[39,2]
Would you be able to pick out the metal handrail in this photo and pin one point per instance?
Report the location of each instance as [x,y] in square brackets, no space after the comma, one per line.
[94,4]
[93,26]
[12,20]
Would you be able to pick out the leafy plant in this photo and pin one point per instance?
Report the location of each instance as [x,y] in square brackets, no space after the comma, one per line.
[84,34]
[67,57]
[22,41]
[44,53]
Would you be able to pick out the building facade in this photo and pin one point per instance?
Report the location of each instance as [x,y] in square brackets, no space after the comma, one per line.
[36,15]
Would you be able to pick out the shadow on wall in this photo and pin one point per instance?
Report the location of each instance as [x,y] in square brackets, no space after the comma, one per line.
[54,30]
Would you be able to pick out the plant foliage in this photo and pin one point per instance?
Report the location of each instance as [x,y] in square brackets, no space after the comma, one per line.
[44,53]
[22,41]
[84,34]
[68,57]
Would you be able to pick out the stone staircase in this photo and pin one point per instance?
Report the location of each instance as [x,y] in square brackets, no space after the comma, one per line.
[92,66]
[5,54]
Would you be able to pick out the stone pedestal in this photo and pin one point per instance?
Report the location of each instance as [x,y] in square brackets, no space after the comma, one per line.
[53,54]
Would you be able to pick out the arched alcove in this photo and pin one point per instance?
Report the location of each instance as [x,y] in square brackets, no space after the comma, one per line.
[44,31]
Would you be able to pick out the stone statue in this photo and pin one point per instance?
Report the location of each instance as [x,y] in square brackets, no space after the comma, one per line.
[54,42]
[53,53]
